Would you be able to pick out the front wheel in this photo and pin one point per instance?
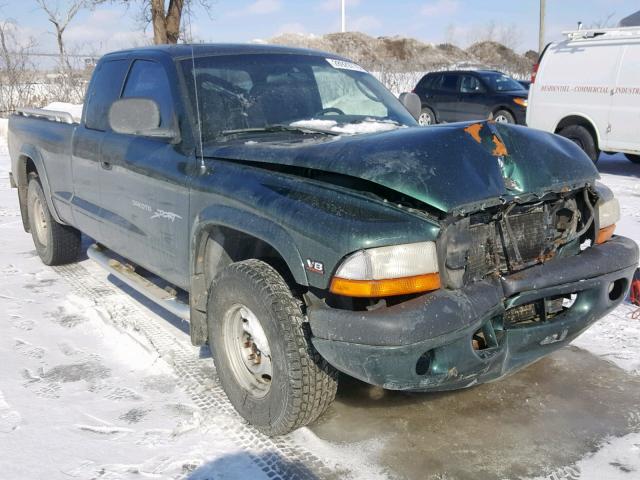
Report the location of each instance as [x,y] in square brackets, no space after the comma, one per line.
[55,243]
[632,158]
[262,350]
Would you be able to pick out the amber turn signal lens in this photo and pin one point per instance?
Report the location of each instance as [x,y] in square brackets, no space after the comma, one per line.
[605,234]
[385,288]
[523,102]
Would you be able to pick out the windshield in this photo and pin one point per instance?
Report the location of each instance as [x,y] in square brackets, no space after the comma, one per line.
[499,82]
[252,92]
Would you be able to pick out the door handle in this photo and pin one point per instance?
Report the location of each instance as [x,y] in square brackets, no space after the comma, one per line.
[106,165]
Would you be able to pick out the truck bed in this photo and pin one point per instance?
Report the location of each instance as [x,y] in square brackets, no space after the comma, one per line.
[47,143]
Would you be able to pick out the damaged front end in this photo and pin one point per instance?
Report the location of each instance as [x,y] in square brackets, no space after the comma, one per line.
[518,281]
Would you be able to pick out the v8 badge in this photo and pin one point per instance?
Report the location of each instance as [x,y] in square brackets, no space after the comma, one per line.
[314,266]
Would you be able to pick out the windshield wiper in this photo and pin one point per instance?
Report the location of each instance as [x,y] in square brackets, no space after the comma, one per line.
[278,128]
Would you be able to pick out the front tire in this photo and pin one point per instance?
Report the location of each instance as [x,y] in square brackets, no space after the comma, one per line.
[632,158]
[55,243]
[583,138]
[262,350]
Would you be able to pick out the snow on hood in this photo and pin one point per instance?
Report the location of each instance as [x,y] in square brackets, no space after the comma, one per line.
[369,125]
[74,109]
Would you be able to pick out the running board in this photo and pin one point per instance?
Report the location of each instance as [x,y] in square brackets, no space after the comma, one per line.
[127,274]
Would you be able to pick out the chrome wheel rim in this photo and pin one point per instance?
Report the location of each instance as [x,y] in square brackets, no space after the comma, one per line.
[247,349]
[501,119]
[40,221]
[425,119]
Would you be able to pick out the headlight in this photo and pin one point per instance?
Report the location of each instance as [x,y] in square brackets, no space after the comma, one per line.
[388,271]
[608,216]
[523,102]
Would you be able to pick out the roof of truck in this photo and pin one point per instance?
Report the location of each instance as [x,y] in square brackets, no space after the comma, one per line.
[184,50]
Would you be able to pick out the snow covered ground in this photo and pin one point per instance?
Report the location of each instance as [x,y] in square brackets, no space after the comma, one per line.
[85,393]
[97,384]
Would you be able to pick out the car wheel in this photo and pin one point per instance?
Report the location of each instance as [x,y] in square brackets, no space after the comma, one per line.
[583,138]
[632,158]
[503,116]
[427,117]
[55,243]
[262,350]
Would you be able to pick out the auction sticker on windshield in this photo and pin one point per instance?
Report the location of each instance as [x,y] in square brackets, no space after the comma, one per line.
[344,65]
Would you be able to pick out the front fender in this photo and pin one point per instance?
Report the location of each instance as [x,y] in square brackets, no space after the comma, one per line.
[254,225]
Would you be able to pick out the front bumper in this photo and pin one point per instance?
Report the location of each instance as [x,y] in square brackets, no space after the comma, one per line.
[426,343]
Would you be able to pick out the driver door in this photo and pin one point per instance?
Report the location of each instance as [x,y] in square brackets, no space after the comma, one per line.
[147,191]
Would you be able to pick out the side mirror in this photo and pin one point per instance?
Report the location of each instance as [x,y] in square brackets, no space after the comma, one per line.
[139,116]
[412,103]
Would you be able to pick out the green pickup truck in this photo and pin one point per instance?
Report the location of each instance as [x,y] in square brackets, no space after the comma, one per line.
[290,207]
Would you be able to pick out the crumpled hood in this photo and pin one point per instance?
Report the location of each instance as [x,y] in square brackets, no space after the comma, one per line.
[459,166]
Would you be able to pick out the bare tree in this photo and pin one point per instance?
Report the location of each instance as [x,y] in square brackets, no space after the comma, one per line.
[507,34]
[167,20]
[16,69]
[61,18]
[510,36]
[166,24]
[450,34]
[605,22]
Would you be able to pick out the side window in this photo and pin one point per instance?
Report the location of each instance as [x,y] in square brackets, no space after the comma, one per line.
[425,83]
[104,90]
[470,84]
[449,82]
[435,82]
[149,80]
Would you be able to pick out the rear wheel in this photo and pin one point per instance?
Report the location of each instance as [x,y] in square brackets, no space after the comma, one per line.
[632,158]
[55,243]
[583,138]
[427,117]
[503,116]
[262,350]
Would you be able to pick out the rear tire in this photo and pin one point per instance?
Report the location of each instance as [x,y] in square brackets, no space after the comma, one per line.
[632,158]
[427,117]
[55,243]
[262,350]
[583,138]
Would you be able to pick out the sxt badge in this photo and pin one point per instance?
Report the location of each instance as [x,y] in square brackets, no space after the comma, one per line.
[315,267]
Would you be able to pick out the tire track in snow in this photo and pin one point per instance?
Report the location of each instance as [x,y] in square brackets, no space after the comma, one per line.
[276,457]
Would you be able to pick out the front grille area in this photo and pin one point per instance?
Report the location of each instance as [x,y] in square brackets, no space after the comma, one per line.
[520,236]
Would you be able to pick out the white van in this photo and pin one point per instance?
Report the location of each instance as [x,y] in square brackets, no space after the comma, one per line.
[587,88]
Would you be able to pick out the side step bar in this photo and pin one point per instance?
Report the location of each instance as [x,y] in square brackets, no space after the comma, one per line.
[126,274]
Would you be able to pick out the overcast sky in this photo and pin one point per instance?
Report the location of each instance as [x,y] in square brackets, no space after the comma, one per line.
[111,27]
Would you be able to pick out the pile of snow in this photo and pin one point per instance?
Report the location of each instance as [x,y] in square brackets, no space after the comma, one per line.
[74,109]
